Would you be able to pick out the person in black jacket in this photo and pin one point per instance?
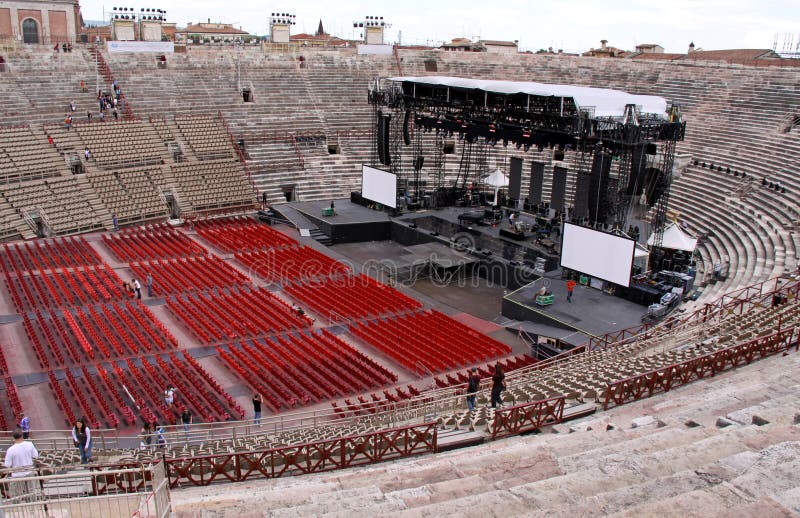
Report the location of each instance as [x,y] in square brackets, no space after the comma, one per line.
[498,385]
[473,383]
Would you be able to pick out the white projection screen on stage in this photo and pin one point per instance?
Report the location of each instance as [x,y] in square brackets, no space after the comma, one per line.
[379,186]
[597,254]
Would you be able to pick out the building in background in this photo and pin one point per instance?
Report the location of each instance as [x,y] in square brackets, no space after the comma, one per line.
[319,39]
[605,51]
[499,47]
[40,22]
[210,32]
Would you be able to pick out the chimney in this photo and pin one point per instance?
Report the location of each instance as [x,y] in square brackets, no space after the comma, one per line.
[209,20]
[603,43]
[691,47]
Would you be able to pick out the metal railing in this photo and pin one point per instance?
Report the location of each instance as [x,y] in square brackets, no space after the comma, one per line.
[133,491]
[666,378]
[313,457]
[102,439]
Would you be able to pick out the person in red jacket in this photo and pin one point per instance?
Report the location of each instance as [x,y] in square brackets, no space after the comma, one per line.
[570,286]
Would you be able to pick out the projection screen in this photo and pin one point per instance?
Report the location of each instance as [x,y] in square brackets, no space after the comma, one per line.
[597,254]
[379,186]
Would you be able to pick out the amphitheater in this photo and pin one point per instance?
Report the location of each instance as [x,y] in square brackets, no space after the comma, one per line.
[697,415]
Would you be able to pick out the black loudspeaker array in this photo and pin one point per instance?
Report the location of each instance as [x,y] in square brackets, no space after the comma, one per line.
[598,189]
[383,138]
[636,179]
[419,161]
[583,182]
[407,128]
[535,187]
[515,178]
[559,188]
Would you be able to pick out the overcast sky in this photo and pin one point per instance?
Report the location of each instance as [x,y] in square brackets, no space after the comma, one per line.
[572,25]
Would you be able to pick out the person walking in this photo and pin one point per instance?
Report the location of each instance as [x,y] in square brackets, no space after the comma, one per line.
[82,438]
[498,385]
[169,396]
[473,383]
[186,420]
[161,441]
[257,409]
[138,288]
[19,455]
[24,425]
[570,286]
[145,436]
[149,284]
[115,222]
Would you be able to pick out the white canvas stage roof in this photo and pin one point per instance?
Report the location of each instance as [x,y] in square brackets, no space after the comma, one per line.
[606,102]
[675,239]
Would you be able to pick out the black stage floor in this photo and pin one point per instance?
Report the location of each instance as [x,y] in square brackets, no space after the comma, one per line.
[591,312]
[346,212]
[486,236]
[351,223]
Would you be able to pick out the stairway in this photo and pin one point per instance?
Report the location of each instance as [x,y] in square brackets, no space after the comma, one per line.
[177,135]
[108,75]
[101,212]
[321,237]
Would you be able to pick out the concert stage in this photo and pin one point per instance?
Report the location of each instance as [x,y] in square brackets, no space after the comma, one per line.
[350,223]
[449,222]
[591,312]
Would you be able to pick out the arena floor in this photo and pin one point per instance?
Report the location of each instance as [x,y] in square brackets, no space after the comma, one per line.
[476,304]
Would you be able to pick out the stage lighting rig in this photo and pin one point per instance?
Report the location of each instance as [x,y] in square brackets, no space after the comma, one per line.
[282,19]
[145,14]
[372,21]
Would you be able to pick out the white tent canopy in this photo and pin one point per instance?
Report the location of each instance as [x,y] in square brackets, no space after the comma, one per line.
[675,239]
[497,180]
[605,101]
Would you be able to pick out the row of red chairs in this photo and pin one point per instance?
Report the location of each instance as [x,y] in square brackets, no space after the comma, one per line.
[237,411]
[429,342]
[297,369]
[187,274]
[242,234]
[381,402]
[485,372]
[234,313]
[288,263]
[133,389]
[61,398]
[48,254]
[355,296]
[76,287]
[95,333]
[376,403]
[160,242]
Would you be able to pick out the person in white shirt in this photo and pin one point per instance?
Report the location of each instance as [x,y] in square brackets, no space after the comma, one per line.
[169,395]
[21,455]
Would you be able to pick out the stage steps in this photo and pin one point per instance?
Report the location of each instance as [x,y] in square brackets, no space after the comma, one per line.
[294,216]
[321,237]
